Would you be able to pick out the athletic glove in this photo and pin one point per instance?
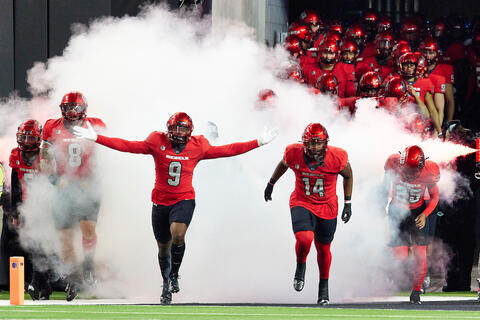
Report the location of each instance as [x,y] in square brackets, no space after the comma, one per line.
[85,133]
[347,212]
[267,136]
[268,192]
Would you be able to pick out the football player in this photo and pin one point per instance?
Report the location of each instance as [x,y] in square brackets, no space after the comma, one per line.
[69,163]
[420,89]
[25,164]
[176,154]
[407,176]
[314,203]
[382,62]
[431,50]
[327,57]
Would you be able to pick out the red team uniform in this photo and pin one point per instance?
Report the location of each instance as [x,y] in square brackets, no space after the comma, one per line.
[371,64]
[73,156]
[174,171]
[410,195]
[314,201]
[409,176]
[316,190]
[24,172]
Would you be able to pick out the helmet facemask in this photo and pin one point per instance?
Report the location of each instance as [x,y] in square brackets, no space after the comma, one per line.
[73,112]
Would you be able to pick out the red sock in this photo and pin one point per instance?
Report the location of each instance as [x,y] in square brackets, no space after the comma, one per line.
[400,253]
[324,259]
[89,245]
[303,244]
[420,266]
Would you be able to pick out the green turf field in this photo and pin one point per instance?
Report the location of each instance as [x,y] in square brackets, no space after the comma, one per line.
[217,313]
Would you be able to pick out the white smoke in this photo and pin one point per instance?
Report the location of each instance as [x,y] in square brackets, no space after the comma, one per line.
[135,73]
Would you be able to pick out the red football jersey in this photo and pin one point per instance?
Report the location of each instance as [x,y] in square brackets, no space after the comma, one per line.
[174,171]
[313,72]
[438,82]
[25,173]
[371,64]
[316,190]
[370,50]
[73,156]
[349,70]
[422,86]
[444,70]
[410,195]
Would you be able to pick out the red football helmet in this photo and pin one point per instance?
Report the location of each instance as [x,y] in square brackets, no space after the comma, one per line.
[384,43]
[29,135]
[427,46]
[293,44]
[416,123]
[332,35]
[409,26]
[292,71]
[348,45]
[476,42]
[406,59]
[422,64]
[369,16]
[327,83]
[384,24]
[336,26]
[400,48]
[439,29]
[315,140]
[300,30]
[313,20]
[328,46]
[412,162]
[396,87]
[74,106]
[179,128]
[370,84]
[357,34]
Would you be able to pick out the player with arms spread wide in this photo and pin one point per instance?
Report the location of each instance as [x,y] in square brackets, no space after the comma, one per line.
[176,153]
[407,176]
[314,202]
[69,163]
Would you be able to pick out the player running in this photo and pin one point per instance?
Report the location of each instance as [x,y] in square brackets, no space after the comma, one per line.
[407,176]
[314,202]
[68,161]
[25,164]
[176,153]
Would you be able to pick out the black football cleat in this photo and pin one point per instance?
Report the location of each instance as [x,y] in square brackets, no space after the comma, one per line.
[478,298]
[174,287]
[323,298]
[89,276]
[72,291]
[415,297]
[166,297]
[299,278]
[33,291]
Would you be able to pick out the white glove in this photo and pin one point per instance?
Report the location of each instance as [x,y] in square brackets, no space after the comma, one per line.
[85,133]
[267,136]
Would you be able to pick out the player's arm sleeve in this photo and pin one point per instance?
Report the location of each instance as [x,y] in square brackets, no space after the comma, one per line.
[229,150]
[123,145]
[434,196]
[16,193]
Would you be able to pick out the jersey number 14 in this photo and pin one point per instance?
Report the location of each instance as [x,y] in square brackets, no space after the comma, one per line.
[317,188]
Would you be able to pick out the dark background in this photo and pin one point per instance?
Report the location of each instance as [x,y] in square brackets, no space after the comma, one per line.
[35,30]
